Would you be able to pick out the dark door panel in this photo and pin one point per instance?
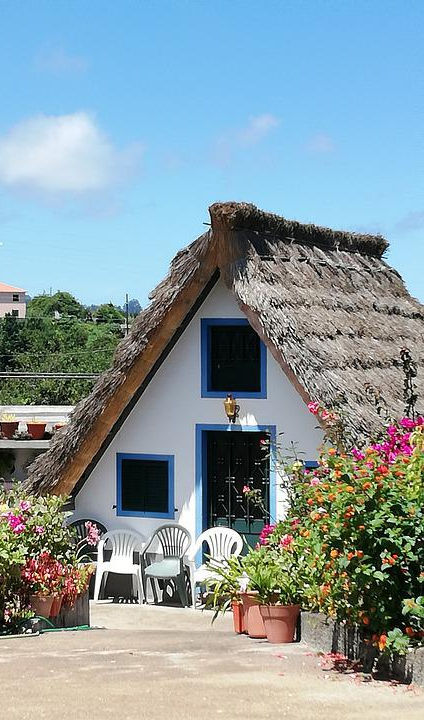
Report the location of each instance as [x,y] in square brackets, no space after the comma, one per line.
[236,459]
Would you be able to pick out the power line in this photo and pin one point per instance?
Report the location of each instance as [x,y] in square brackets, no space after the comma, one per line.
[56,353]
[48,376]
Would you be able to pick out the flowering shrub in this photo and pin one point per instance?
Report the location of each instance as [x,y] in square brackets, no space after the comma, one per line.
[357,523]
[39,553]
[43,574]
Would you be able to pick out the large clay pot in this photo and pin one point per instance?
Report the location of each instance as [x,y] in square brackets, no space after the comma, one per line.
[238,617]
[9,428]
[41,604]
[252,614]
[280,622]
[56,605]
[36,430]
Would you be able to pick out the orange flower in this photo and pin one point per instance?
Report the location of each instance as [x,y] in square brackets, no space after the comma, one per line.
[332,497]
[361,527]
[325,486]
[382,642]
[338,473]
[365,620]
[366,485]
[332,451]
[309,501]
[349,489]
[360,554]
[350,555]
[324,528]
[334,553]
[410,631]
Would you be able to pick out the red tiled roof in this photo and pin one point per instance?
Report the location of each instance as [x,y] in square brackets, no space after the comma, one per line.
[10,288]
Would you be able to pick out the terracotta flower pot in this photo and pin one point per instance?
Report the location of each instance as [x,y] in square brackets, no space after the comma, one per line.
[56,605]
[36,430]
[41,604]
[280,622]
[9,428]
[238,617]
[252,614]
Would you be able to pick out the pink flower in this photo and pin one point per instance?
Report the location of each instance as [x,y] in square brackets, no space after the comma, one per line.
[18,529]
[246,489]
[93,533]
[357,454]
[315,481]
[16,521]
[313,407]
[39,529]
[266,530]
[407,423]
[295,522]
[24,505]
[286,540]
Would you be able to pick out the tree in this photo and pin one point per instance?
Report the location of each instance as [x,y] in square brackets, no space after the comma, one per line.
[108,313]
[62,302]
[134,307]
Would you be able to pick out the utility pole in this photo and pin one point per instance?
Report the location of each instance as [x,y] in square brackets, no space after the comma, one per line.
[126,315]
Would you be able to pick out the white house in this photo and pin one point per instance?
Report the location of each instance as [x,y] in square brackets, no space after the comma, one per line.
[270,311]
[12,301]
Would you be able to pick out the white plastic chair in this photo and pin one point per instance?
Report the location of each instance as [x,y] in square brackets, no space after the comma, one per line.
[123,544]
[222,542]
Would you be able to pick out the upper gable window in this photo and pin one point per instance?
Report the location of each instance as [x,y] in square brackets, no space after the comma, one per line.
[233,359]
[15,297]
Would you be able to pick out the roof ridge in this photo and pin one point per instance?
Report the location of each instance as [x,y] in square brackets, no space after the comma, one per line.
[240,216]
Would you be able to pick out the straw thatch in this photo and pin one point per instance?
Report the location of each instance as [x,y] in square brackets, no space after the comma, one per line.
[329,308]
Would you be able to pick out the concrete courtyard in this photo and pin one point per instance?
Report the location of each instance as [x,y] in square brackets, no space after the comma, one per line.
[170,664]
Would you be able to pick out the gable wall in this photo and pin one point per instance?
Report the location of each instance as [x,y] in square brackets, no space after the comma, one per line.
[164,420]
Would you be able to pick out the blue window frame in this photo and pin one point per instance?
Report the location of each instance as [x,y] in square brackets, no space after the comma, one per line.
[207,391]
[145,485]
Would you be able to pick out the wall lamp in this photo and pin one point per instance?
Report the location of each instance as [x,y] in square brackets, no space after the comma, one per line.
[231,408]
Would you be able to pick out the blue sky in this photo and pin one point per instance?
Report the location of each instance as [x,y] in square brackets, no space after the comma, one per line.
[122,122]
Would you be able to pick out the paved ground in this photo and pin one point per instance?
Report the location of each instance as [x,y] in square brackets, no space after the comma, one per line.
[169,664]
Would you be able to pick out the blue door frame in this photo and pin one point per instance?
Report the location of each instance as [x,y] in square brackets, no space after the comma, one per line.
[201,468]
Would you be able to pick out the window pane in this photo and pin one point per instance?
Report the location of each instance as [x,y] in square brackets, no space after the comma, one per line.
[15,298]
[235,358]
[145,485]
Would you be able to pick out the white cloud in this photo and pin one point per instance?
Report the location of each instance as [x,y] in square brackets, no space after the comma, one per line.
[63,154]
[58,61]
[410,222]
[321,144]
[257,128]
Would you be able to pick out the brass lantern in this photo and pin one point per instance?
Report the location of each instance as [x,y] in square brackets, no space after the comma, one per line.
[231,408]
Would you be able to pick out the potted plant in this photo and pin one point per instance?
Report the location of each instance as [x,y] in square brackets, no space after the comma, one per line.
[43,576]
[225,584]
[280,606]
[9,425]
[36,428]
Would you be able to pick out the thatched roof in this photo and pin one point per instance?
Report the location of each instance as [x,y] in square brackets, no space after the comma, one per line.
[331,311]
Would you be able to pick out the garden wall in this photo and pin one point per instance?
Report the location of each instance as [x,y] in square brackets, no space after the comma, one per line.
[326,635]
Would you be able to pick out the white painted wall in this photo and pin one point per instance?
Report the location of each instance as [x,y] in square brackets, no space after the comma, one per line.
[164,420]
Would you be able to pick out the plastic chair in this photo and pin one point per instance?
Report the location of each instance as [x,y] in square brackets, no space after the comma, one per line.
[122,544]
[174,541]
[222,542]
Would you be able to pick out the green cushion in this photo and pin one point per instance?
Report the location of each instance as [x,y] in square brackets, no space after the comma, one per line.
[168,568]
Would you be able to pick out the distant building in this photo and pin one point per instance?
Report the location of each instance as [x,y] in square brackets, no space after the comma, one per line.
[12,301]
